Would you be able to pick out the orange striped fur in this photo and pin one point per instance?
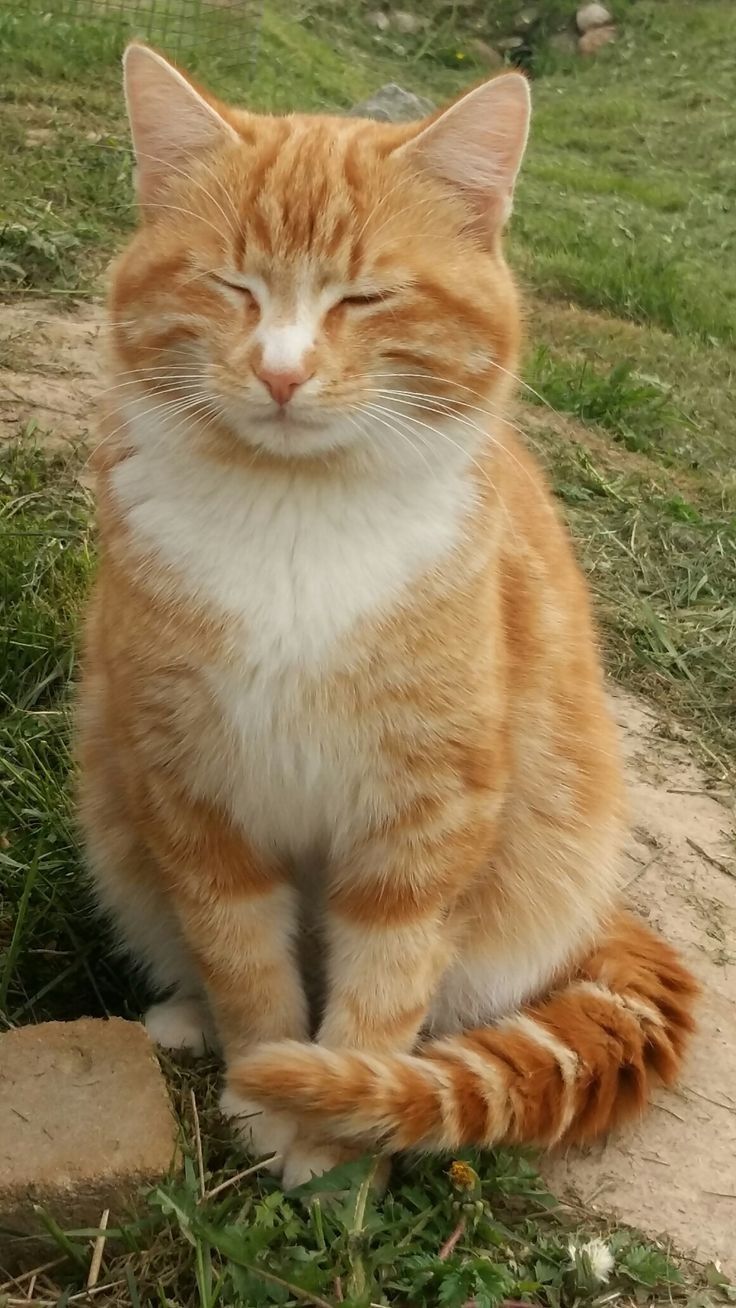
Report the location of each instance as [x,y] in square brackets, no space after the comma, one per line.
[348,777]
[563,1070]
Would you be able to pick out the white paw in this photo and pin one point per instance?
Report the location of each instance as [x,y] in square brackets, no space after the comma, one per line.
[261,1132]
[309,1159]
[180,1023]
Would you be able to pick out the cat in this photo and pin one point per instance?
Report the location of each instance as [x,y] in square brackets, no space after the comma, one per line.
[340,668]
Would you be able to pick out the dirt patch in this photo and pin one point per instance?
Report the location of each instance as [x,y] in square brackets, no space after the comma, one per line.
[675,1173]
[49,370]
[537,421]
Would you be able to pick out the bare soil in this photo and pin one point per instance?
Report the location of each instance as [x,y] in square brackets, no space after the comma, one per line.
[49,370]
[675,1173]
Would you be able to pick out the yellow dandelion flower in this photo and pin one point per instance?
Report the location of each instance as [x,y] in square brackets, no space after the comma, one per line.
[462,1176]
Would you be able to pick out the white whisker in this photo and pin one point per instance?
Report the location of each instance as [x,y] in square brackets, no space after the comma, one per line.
[160,382]
[183,172]
[169,407]
[428,395]
[429,375]
[370,410]
[188,213]
[483,432]
[443,435]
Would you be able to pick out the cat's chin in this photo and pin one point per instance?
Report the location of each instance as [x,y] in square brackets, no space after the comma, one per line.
[293,437]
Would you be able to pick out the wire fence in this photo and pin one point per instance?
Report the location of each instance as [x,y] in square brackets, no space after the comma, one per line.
[224,31]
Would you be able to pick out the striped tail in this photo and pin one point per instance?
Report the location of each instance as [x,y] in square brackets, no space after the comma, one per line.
[564,1070]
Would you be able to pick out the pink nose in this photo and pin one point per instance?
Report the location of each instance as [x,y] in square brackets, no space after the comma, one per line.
[283,384]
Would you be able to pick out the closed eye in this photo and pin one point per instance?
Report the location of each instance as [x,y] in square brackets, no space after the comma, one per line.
[365,301]
[245,291]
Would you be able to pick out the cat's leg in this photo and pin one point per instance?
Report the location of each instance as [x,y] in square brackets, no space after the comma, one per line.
[193,904]
[128,887]
[238,915]
[182,1022]
[389,943]
[518,930]
[513,946]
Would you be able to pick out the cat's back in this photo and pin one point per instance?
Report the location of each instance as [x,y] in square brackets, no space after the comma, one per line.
[541,573]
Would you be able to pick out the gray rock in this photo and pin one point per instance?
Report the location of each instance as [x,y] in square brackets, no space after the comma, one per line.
[376,18]
[392,104]
[594,40]
[526,20]
[485,53]
[563,43]
[593,15]
[510,43]
[407,24]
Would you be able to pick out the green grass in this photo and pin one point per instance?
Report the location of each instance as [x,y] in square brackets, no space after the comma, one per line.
[208,1239]
[636,408]
[662,561]
[647,476]
[67,198]
[44,534]
[624,237]
[627,200]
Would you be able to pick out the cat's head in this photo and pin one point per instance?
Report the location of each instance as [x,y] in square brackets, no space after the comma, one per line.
[308,284]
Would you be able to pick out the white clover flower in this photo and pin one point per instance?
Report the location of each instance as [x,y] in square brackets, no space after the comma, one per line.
[598,1255]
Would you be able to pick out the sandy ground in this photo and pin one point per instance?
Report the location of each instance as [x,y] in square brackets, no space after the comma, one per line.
[48,369]
[675,1173]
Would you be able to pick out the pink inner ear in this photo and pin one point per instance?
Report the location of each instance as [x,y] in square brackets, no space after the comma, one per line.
[170,121]
[478,144]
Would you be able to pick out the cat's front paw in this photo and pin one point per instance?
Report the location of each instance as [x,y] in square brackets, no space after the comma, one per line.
[309,1158]
[181,1024]
[261,1132]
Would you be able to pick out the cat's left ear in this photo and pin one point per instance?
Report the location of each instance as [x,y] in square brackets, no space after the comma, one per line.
[477,145]
[172,122]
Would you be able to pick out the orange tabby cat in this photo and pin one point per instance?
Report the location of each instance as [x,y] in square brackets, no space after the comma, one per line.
[341,691]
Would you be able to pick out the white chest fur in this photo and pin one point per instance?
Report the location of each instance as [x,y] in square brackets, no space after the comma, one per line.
[297,559]
[295,562]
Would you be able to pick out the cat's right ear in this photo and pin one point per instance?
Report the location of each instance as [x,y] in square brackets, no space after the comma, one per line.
[476,147]
[171,122]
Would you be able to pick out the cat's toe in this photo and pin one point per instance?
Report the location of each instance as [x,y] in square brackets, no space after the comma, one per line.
[262,1133]
[307,1159]
[181,1024]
